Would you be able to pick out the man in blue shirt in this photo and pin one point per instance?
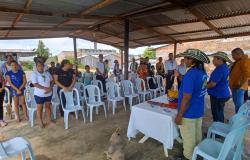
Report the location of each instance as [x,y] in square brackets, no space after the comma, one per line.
[218,86]
[191,100]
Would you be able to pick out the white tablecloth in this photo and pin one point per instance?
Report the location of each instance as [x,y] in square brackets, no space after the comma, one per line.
[154,122]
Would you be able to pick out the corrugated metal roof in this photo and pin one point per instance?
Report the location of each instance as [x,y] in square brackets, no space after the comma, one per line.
[62,6]
[223,7]
[231,21]
[151,21]
[179,15]
[236,30]
[189,27]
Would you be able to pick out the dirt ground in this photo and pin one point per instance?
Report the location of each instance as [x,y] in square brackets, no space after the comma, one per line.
[89,141]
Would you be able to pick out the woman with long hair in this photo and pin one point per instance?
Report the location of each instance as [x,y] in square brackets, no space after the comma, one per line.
[65,79]
[17,81]
[191,100]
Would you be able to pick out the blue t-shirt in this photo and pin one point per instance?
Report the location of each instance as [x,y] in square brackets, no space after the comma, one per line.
[87,78]
[220,77]
[194,82]
[16,78]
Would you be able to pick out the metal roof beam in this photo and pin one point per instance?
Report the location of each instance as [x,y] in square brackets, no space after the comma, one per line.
[51,14]
[20,16]
[197,14]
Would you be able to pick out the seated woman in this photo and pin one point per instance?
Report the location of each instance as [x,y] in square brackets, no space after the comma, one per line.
[17,80]
[43,82]
[152,84]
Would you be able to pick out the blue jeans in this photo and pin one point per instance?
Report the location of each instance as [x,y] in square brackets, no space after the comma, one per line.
[238,98]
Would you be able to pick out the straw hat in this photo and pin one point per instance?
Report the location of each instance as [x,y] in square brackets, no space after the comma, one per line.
[222,55]
[196,54]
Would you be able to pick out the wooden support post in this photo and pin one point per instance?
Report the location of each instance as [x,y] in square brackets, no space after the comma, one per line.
[126,47]
[175,48]
[122,61]
[75,51]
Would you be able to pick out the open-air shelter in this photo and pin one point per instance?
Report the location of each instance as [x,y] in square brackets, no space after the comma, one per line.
[125,24]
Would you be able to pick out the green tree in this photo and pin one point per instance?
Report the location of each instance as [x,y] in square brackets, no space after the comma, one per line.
[42,50]
[150,53]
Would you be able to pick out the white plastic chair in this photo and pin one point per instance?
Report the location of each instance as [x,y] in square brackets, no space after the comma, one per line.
[80,87]
[6,103]
[110,80]
[222,129]
[128,91]
[99,84]
[14,147]
[93,99]
[141,89]
[154,91]
[55,102]
[113,94]
[31,104]
[232,148]
[71,105]
[161,87]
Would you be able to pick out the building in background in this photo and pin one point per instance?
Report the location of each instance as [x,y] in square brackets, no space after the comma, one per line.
[210,46]
[18,54]
[90,56]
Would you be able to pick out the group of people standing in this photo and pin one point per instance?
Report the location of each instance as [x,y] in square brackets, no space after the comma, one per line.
[228,78]
[42,79]
[168,70]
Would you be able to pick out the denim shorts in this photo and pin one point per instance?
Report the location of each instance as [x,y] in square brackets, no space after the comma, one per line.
[15,94]
[42,100]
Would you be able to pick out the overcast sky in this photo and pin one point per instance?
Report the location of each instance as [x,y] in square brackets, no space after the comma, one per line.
[56,45]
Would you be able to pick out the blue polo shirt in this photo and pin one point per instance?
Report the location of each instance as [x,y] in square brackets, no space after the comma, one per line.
[220,77]
[194,83]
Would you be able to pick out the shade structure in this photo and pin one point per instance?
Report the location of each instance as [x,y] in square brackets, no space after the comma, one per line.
[151,22]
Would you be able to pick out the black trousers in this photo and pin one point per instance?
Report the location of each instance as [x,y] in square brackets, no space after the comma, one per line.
[217,108]
[179,82]
[1,103]
[102,79]
[169,80]
[246,96]
[63,101]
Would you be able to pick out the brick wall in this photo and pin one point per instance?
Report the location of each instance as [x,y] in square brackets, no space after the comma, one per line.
[208,47]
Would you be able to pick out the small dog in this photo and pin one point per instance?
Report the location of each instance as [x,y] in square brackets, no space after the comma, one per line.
[115,150]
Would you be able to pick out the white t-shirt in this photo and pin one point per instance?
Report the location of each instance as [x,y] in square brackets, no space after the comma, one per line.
[100,66]
[170,65]
[45,67]
[44,79]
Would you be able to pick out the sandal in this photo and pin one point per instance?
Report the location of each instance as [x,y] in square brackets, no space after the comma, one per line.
[3,124]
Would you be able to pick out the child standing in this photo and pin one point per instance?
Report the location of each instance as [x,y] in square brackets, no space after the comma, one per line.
[87,76]
[17,80]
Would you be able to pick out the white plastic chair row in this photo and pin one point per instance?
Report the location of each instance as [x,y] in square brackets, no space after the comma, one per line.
[141,89]
[71,105]
[222,129]
[14,147]
[113,95]
[152,90]
[32,106]
[99,84]
[93,100]
[128,91]
[232,148]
